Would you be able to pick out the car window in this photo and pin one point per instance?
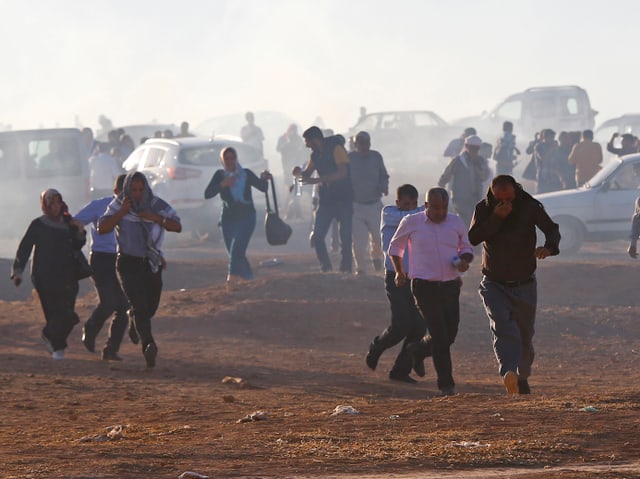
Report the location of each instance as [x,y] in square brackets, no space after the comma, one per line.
[133,161]
[543,107]
[154,157]
[510,110]
[54,157]
[201,156]
[571,106]
[604,133]
[604,173]
[627,177]
[388,121]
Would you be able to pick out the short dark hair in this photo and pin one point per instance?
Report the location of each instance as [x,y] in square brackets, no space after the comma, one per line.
[588,134]
[313,133]
[507,126]
[407,190]
[441,192]
[502,181]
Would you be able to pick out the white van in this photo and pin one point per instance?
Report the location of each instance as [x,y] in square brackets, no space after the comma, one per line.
[34,160]
[561,108]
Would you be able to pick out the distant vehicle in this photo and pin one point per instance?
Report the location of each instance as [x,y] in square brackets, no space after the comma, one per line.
[562,108]
[599,210]
[272,123]
[34,160]
[411,143]
[179,170]
[137,132]
[627,123]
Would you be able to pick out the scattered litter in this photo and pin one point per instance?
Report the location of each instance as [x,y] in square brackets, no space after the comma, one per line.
[233,380]
[228,398]
[470,444]
[269,263]
[182,290]
[253,417]
[394,416]
[173,430]
[113,433]
[288,414]
[342,409]
[192,475]
[590,409]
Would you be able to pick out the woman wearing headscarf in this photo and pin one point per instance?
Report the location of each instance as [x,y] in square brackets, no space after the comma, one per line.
[52,237]
[140,220]
[238,217]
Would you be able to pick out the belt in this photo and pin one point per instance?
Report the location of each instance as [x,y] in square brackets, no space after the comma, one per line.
[437,283]
[514,284]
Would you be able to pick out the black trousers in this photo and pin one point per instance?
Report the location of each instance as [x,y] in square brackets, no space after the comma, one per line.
[143,288]
[58,301]
[406,324]
[439,305]
[111,299]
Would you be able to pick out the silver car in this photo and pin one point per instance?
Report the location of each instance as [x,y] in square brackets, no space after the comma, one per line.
[179,170]
[599,210]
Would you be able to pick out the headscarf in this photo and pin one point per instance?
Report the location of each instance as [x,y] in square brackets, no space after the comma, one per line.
[152,232]
[237,189]
[46,197]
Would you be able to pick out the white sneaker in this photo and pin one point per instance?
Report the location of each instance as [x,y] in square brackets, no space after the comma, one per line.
[47,343]
[58,355]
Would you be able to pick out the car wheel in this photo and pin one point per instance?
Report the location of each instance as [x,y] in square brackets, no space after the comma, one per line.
[572,232]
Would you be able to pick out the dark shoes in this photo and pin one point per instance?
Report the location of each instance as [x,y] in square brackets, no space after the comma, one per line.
[373,356]
[150,353]
[89,340]
[523,387]
[402,378]
[446,392]
[110,355]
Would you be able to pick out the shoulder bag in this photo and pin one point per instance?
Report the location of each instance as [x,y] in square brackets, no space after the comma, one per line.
[276,230]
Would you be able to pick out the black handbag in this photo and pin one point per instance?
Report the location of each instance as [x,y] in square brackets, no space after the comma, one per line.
[529,172]
[276,230]
[81,267]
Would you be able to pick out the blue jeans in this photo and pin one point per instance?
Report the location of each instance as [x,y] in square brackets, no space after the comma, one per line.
[237,231]
[326,212]
[512,314]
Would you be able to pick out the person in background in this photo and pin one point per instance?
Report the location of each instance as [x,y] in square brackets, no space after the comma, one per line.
[335,195]
[455,146]
[52,237]
[439,251]
[251,134]
[406,322]
[547,168]
[627,143]
[184,131]
[103,171]
[111,298]
[506,150]
[505,223]
[238,219]
[140,219]
[587,157]
[370,180]
[466,175]
[90,143]
[292,151]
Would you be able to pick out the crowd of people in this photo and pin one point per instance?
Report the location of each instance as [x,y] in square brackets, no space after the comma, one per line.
[423,251]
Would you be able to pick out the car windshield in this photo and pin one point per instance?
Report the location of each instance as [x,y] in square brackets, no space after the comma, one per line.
[604,173]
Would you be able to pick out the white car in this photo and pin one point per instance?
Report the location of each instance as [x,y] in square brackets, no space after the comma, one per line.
[179,170]
[599,210]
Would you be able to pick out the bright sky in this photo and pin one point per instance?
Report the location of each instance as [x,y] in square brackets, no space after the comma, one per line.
[140,60]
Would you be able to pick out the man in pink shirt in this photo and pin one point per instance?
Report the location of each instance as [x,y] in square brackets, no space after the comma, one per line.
[439,250]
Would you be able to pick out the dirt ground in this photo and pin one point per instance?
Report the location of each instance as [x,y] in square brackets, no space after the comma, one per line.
[297,339]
